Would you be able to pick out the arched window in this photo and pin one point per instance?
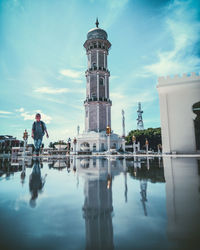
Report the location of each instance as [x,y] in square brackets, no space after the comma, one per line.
[94,65]
[101,81]
[85,146]
[94,146]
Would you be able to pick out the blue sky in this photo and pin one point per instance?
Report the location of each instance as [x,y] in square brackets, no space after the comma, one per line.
[42,59]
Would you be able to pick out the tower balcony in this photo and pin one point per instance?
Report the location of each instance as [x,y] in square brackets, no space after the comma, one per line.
[94,68]
[94,99]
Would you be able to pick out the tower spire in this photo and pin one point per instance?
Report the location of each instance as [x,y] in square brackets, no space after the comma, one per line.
[97,22]
[123,123]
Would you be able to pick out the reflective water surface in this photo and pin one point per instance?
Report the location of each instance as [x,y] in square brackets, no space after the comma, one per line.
[100,203]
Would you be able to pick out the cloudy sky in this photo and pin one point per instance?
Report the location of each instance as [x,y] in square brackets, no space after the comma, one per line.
[42,59]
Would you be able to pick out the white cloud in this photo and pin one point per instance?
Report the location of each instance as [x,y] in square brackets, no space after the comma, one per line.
[31,115]
[20,110]
[71,73]
[48,90]
[183,29]
[112,77]
[5,112]
[77,81]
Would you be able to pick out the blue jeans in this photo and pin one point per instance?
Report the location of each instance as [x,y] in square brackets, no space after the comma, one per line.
[37,144]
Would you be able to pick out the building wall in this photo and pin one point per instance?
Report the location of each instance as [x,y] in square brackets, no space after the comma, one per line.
[102,117]
[177,95]
[93,117]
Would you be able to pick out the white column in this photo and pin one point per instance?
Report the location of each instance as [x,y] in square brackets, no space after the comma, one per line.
[97,59]
[88,125]
[123,145]
[89,87]
[90,60]
[98,117]
[108,137]
[134,151]
[97,86]
[104,59]
[106,86]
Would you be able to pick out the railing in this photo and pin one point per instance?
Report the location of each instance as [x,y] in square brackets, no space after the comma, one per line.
[101,99]
[98,68]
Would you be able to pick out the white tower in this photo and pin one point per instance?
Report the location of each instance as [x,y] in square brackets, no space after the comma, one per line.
[123,124]
[140,124]
[97,103]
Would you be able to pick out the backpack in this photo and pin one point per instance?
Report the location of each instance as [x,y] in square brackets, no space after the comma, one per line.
[42,123]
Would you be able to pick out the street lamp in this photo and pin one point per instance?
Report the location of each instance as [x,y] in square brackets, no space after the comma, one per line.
[108,132]
[25,137]
[147,146]
[74,142]
[134,140]
[68,144]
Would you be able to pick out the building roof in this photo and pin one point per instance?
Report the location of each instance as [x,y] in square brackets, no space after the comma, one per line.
[97,33]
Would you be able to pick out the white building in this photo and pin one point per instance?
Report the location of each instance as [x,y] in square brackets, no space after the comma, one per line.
[180,113]
[97,103]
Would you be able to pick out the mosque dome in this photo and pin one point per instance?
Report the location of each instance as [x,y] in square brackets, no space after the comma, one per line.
[97,33]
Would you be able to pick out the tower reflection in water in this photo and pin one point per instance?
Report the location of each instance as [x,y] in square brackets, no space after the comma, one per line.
[97,208]
[98,174]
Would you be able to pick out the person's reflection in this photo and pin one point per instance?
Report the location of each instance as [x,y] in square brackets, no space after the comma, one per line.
[143,187]
[36,183]
[23,173]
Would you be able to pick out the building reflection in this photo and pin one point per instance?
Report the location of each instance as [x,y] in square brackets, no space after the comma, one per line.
[146,170]
[183,201]
[98,175]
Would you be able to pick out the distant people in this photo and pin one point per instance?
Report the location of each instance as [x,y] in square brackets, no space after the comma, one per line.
[38,131]
[36,183]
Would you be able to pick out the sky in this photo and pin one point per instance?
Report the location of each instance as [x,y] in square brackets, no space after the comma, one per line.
[43,61]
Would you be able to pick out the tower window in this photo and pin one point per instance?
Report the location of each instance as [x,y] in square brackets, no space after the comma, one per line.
[101,81]
[94,66]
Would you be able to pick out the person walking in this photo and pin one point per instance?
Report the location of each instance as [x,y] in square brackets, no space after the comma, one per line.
[38,131]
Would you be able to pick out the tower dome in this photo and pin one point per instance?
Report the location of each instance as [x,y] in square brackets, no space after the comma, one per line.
[96,33]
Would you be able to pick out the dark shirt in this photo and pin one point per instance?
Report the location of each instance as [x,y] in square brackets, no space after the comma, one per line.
[38,130]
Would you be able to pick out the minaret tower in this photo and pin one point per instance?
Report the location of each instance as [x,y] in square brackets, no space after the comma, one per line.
[123,123]
[97,103]
[140,124]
